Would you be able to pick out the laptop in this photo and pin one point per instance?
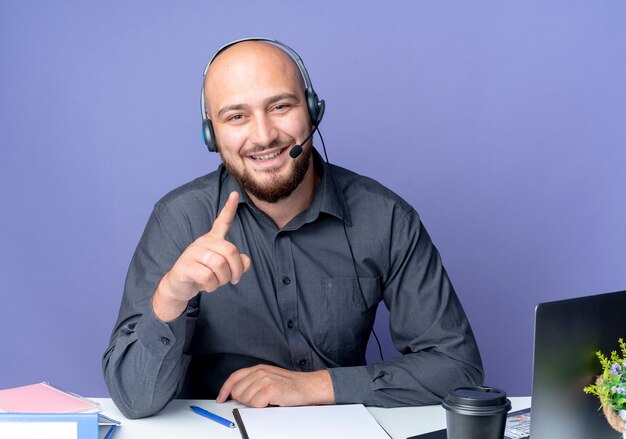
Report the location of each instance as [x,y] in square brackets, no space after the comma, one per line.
[568,333]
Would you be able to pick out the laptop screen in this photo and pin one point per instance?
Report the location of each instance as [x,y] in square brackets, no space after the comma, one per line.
[568,333]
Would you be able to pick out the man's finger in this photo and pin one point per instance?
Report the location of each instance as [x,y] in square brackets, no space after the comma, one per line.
[245,259]
[224,220]
[218,265]
[231,382]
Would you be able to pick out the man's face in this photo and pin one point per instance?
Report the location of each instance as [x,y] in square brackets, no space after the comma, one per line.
[256,103]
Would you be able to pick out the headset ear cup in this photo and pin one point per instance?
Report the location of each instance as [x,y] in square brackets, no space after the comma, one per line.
[208,135]
[320,112]
[315,106]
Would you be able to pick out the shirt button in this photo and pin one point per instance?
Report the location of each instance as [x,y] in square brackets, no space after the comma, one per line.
[302,362]
[290,324]
[286,280]
[165,341]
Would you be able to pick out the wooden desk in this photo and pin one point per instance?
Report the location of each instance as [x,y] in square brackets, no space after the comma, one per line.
[177,421]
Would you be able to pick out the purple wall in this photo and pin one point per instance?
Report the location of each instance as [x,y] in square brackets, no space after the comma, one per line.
[503,123]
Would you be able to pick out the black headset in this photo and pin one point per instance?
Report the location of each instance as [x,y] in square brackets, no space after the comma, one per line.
[315,105]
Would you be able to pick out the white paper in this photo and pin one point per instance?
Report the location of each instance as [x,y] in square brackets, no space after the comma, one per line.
[37,430]
[312,422]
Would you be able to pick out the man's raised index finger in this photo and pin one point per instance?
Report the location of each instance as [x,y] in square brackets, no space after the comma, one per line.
[224,220]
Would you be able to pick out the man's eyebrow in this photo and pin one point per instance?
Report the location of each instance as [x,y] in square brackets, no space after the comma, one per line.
[269,101]
[230,108]
[280,97]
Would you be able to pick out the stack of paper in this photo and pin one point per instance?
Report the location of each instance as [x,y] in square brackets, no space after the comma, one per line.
[27,410]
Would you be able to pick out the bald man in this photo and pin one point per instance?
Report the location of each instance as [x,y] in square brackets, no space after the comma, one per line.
[244,284]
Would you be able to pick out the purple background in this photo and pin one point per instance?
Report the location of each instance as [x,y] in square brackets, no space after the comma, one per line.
[503,123]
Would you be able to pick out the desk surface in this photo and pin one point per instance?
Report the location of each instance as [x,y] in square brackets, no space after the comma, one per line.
[176,420]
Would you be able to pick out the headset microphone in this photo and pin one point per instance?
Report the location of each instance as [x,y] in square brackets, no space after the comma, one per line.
[295,152]
[297,149]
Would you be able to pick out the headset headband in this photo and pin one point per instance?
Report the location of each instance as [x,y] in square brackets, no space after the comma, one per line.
[293,53]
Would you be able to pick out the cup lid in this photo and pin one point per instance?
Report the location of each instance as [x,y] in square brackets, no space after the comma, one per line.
[477,399]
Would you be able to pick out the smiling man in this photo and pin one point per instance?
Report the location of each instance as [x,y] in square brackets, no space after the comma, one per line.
[259,112]
[260,281]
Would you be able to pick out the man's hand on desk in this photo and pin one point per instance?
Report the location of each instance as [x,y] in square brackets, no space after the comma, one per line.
[264,385]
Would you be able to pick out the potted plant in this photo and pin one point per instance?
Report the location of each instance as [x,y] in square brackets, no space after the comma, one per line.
[610,387]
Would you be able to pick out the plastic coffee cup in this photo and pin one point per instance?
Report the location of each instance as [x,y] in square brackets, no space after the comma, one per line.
[476,412]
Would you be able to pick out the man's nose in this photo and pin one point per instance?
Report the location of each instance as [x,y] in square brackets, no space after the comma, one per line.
[263,132]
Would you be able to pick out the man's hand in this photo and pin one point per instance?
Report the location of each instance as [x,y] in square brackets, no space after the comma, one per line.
[264,385]
[208,263]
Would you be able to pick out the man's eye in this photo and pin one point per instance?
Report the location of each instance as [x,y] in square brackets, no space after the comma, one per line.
[280,107]
[236,117]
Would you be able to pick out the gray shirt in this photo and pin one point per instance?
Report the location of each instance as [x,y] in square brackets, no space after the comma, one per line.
[300,306]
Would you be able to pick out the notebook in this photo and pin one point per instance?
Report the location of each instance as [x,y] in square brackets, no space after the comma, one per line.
[309,422]
[44,398]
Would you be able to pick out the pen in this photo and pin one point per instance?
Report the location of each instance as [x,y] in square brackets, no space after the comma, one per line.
[212,416]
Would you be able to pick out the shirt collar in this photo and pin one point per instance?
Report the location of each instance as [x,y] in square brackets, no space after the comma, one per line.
[333,201]
[327,198]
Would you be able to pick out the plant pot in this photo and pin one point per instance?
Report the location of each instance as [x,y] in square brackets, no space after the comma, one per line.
[615,419]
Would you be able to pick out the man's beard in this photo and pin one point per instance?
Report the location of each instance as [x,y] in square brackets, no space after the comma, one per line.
[277,188]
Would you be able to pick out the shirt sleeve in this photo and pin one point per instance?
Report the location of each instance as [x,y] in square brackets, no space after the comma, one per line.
[428,327]
[145,362]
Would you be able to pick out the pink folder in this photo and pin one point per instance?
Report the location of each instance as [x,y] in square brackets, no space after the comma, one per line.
[43,398]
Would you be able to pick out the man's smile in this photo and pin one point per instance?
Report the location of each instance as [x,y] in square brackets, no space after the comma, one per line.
[268,156]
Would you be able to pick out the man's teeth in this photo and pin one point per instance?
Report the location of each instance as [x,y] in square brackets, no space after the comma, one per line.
[267,156]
